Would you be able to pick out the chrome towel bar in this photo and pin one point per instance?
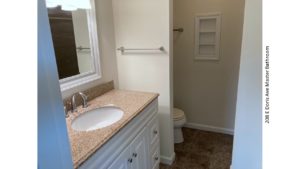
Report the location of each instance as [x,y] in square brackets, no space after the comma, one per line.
[82,48]
[178,30]
[123,49]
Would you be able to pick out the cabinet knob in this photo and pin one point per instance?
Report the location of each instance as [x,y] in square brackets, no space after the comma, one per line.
[134,154]
[155,132]
[130,160]
[156,158]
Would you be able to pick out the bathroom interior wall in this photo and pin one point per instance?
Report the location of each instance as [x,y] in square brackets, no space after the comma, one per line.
[206,90]
[146,24]
[247,146]
[106,38]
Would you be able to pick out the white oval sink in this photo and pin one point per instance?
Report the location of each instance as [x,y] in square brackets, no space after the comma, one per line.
[97,118]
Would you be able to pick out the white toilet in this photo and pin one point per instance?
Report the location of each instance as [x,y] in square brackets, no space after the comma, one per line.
[179,120]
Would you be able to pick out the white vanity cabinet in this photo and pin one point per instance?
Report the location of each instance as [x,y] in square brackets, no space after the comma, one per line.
[135,146]
[134,156]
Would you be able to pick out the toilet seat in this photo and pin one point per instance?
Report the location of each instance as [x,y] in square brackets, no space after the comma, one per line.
[178,114]
[178,121]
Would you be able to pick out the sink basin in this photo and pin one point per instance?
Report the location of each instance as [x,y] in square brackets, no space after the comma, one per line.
[97,118]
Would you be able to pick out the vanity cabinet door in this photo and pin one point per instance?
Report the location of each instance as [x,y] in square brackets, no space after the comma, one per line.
[122,161]
[135,156]
[140,151]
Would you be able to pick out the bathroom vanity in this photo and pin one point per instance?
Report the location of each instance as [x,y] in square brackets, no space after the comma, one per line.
[130,143]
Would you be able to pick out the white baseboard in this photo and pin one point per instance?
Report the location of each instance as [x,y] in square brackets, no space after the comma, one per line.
[209,128]
[167,160]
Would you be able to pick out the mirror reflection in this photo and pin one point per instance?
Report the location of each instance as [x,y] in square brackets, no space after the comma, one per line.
[70,35]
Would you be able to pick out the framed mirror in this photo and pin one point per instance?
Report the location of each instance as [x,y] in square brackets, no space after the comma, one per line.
[75,42]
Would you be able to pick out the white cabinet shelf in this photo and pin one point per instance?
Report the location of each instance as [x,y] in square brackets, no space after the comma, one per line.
[207,36]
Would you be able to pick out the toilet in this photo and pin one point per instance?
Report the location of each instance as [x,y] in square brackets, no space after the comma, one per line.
[178,120]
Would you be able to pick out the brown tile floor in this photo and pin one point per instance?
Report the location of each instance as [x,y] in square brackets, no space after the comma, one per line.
[202,150]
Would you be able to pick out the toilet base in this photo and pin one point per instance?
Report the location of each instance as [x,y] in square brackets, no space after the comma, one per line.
[178,137]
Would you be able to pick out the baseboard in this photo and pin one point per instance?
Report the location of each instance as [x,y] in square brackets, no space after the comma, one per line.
[209,128]
[167,160]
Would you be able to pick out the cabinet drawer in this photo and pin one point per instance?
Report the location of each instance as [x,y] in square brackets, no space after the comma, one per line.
[155,158]
[153,131]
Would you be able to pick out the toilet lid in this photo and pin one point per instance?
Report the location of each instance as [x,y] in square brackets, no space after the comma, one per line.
[178,114]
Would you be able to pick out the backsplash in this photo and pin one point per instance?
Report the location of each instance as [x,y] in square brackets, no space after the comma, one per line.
[91,94]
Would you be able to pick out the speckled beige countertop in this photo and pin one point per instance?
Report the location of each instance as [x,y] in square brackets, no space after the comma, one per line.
[84,144]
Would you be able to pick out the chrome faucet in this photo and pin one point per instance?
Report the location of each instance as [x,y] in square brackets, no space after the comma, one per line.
[84,99]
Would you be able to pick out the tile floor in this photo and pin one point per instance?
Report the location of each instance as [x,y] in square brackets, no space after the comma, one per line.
[202,150]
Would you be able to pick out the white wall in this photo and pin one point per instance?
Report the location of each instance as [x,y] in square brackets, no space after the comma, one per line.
[206,90]
[106,37]
[146,24]
[247,147]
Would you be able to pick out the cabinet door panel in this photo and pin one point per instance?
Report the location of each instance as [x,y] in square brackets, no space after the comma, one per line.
[140,151]
[123,160]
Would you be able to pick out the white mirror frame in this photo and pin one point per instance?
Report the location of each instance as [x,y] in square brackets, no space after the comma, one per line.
[95,73]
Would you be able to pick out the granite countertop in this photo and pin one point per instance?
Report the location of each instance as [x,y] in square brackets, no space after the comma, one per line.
[84,144]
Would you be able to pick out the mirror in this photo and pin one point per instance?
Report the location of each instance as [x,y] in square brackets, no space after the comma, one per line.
[74,36]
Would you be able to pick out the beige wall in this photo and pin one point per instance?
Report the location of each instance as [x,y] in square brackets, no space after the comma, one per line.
[146,24]
[106,37]
[206,90]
